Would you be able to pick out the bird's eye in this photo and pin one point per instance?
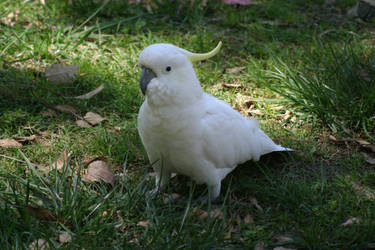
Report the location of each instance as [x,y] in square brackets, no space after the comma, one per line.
[168,68]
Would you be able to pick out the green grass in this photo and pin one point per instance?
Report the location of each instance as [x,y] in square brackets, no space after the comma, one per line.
[290,51]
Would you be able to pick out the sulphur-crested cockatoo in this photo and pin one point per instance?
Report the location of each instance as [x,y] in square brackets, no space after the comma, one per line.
[187,131]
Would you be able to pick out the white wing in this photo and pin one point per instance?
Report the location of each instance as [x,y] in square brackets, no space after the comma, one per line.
[229,138]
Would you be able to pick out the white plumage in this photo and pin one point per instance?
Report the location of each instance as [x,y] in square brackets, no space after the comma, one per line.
[187,131]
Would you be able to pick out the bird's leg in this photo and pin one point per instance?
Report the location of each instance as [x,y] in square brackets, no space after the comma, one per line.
[213,193]
[161,179]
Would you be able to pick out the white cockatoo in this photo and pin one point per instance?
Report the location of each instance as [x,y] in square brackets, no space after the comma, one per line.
[187,131]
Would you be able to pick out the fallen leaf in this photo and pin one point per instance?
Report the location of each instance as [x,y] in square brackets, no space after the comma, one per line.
[171,198]
[232,85]
[93,118]
[362,191]
[83,124]
[216,213]
[248,219]
[254,202]
[11,18]
[259,246]
[243,101]
[44,214]
[66,109]
[256,112]
[40,244]
[99,171]
[365,144]
[43,2]
[234,70]
[62,161]
[350,222]
[143,223]
[362,142]
[65,237]
[61,74]
[25,138]
[326,32]
[10,143]
[91,93]
[332,138]
[241,2]
[200,213]
[370,160]
[287,115]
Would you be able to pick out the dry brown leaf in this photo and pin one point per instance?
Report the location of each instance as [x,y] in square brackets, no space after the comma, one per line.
[10,143]
[254,202]
[326,32]
[243,101]
[91,93]
[11,18]
[362,142]
[25,138]
[61,74]
[255,111]
[234,70]
[66,109]
[200,213]
[232,85]
[143,223]
[65,237]
[83,124]
[259,246]
[40,244]
[370,160]
[62,160]
[362,191]
[350,222]
[287,115]
[365,144]
[171,198]
[41,213]
[44,214]
[93,118]
[99,171]
[216,213]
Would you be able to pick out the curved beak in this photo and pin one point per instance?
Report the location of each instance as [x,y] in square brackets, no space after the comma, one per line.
[146,76]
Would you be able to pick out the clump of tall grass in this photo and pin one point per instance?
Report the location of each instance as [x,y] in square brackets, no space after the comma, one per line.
[335,84]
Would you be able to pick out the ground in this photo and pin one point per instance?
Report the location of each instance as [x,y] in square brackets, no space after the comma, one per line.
[320,196]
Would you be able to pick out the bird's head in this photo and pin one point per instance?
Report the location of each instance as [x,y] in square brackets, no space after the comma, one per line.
[167,72]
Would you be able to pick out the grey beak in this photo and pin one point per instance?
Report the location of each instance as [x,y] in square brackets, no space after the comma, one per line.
[146,76]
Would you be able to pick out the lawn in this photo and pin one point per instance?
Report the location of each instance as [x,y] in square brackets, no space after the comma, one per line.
[303,68]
